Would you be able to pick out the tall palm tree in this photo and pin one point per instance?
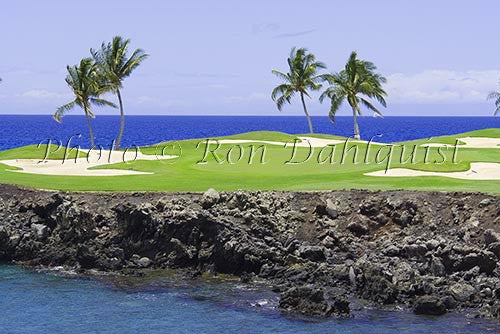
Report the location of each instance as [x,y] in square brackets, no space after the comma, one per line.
[116,66]
[495,96]
[87,86]
[355,83]
[302,77]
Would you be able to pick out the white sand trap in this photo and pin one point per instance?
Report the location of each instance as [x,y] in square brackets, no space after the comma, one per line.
[471,142]
[81,166]
[305,142]
[477,171]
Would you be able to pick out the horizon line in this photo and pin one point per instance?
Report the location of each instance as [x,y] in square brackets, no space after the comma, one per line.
[252,115]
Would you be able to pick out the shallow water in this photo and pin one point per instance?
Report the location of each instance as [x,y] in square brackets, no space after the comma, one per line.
[20,130]
[34,302]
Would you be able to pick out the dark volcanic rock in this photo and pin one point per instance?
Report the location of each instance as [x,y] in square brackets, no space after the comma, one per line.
[422,249]
[313,253]
[209,198]
[462,292]
[430,305]
[312,301]
[359,226]
[331,209]
[490,236]
[486,262]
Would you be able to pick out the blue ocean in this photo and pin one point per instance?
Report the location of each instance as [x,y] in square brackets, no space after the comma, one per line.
[19,130]
[33,302]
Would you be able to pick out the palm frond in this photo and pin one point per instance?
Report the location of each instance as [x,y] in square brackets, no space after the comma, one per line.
[336,103]
[302,76]
[306,93]
[380,98]
[328,77]
[337,95]
[102,102]
[325,94]
[282,94]
[280,90]
[493,96]
[370,106]
[87,85]
[137,57]
[281,101]
[281,75]
[61,111]
[331,115]
[114,62]
[319,64]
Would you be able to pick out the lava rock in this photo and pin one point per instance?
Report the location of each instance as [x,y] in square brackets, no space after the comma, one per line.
[144,262]
[331,209]
[490,236]
[312,253]
[429,305]
[311,301]
[437,267]
[485,202]
[495,248]
[462,292]
[210,198]
[358,227]
[41,231]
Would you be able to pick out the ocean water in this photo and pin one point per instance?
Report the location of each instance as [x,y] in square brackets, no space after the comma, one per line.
[33,302]
[19,130]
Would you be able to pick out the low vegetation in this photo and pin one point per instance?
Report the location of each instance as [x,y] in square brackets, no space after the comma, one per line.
[266,168]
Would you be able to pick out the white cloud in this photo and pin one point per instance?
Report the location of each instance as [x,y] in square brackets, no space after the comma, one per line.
[252,97]
[442,86]
[43,94]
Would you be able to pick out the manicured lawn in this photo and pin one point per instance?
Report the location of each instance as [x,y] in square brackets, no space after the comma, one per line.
[186,174]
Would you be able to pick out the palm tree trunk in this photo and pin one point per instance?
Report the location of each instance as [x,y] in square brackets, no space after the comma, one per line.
[122,121]
[307,114]
[356,126]
[91,132]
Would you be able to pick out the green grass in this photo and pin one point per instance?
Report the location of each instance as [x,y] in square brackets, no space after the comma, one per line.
[185,174]
[38,152]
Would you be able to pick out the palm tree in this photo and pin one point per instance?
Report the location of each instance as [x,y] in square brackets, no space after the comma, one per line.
[87,86]
[116,66]
[495,96]
[301,78]
[355,83]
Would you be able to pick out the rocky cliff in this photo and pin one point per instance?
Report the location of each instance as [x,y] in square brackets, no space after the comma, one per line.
[428,251]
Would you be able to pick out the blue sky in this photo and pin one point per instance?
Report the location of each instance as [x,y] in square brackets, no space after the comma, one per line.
[215,57]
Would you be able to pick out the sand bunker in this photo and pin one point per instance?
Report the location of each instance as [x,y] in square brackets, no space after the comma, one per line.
[305,142]
[472,142]
[81,166]
[477,171]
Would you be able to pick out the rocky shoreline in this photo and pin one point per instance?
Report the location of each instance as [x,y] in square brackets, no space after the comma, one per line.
[429,251]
